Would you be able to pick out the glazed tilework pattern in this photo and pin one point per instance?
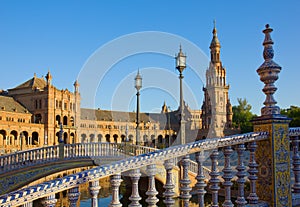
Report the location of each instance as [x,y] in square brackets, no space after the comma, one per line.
[157,157]
[273,157]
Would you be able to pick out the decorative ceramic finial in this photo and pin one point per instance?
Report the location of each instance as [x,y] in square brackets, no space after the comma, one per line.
[268,73]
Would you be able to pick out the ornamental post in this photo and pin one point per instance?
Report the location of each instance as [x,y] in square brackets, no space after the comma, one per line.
[273,154]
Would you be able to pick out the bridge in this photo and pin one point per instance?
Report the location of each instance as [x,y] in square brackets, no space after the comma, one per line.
[273,171]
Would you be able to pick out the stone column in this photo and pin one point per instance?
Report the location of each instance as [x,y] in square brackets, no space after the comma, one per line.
[94,188]
[152,192]
[273,154]
[115,182]
[169,186]
[49,201]
[135,197]
[73,196]
[185,181]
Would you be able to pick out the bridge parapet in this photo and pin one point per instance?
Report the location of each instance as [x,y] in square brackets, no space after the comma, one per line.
[50,154]
[157,157]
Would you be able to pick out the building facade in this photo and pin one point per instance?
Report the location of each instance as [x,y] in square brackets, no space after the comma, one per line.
[32,114]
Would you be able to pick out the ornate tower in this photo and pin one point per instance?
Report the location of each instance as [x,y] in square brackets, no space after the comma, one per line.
[216,109]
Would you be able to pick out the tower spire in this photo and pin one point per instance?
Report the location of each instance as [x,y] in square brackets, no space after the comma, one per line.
[215,46]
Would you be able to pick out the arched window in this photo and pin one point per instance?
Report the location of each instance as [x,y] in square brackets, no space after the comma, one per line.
[37,118]
[57,118]
[83,137]
[72,121]
[65,120]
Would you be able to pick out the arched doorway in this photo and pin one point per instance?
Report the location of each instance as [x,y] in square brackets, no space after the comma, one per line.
[107,138]
[92,137]
[72,138]
[115,138]
[24,138]
[3,137]
[130,137]
[14,137]
[99,137]
[35,138]
[123,138]
[66,140]
[83,137]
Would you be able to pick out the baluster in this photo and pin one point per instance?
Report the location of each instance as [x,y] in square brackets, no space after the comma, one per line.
[29,204]
[115,182]
[253,198]
[214,180]
[228,175]
[135,197]
[169,186]
[94,191]
[49,201]
[241,168]
[73,195]
[296,164]
[152,192]
[185,181]
[200,178]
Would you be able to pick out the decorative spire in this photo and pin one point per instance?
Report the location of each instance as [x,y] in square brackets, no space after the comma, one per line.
[49,78]
[215,41]
[268,73]
[76,86]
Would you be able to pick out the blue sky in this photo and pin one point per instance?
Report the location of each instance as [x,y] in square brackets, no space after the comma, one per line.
[62,36]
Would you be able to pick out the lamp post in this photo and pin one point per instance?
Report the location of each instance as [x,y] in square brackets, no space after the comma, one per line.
[138,86]
[181,65]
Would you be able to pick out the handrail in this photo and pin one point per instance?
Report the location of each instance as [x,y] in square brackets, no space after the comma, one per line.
[294,131]
[74,180]
[44,155]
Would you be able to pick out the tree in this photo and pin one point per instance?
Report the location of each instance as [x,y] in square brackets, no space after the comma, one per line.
[242,116]
[294,113]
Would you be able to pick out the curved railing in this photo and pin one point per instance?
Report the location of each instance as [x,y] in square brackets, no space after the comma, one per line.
[46,155]
[156,157]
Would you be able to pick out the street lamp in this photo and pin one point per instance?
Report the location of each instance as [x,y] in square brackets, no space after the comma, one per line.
[181,65]
[138,86]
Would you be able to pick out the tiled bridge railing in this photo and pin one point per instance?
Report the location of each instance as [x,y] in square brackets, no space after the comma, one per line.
[47,190]
[52,154]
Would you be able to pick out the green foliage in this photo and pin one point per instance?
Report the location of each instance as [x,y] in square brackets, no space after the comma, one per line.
[242,116]
[294,113]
